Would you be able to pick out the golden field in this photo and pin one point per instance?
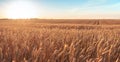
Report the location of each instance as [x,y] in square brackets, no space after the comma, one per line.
[35,40]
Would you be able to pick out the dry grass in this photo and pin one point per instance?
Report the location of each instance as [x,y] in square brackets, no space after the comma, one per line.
[29,41]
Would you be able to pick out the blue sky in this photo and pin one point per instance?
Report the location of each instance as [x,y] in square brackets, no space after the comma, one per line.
[73,8]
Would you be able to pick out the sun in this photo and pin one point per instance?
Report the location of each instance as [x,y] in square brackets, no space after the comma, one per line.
[21,10]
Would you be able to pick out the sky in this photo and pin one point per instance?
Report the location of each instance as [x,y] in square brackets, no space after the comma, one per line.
[71,9]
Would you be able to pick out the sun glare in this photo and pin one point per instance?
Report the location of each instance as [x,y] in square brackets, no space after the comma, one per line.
[21,10]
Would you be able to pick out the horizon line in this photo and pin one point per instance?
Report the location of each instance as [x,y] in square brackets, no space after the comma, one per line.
[60,19]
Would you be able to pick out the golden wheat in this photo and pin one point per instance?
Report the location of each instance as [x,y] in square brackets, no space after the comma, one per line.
[44,42]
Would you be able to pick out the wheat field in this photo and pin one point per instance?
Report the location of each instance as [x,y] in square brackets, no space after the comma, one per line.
[59,40]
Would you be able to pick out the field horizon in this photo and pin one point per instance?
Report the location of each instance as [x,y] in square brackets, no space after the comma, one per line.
[85,21]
